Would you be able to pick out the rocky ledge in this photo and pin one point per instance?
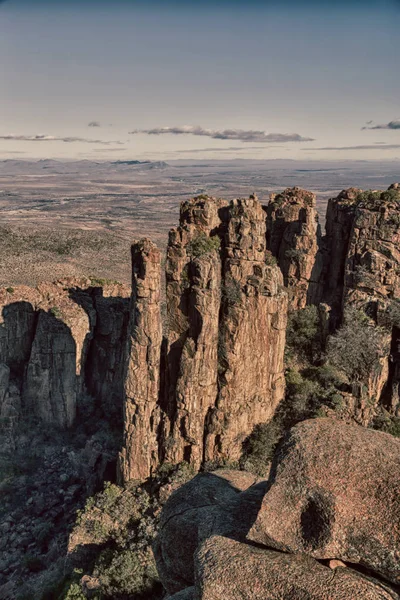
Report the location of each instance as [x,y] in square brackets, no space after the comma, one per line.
[324,526]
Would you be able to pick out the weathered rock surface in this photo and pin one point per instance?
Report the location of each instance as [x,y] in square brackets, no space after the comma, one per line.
[209,504]
[372,281]
[252,332]
[294,238]
[47,336]
[334,492]
[193,277]
[141,414]
[225,306]
[226,568]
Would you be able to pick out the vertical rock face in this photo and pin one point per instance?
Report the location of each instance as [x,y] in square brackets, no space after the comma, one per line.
[105,364]
[339,222]
[363,270]
[193,278]
[53,347]
[372,280]
[140,451]
[50,384]
[293,237]
[222,363]
[251,334]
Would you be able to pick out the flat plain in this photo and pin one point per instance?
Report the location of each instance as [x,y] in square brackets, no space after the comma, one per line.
[73,219]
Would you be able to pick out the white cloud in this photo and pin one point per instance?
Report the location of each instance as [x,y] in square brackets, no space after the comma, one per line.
[242,135]
[391,125]
[51,138]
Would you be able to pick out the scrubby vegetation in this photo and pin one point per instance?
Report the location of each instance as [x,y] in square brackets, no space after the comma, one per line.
[202,245]
[113,536]
[356,348]
[373,199]
[319,377]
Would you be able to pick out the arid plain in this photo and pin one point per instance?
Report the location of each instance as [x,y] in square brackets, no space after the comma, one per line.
[73,219]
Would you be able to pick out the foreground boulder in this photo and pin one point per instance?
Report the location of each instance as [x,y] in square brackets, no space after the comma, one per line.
[186,594]
[226,568]
[211,503]
[334,492]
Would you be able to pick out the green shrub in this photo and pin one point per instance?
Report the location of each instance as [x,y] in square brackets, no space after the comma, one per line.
[387,423]
[56,312]
[270,259]
[259,447]
[356,347]
[303,337]
[202,245]
[128,572]
[101,282]
[75,592]
[10,290]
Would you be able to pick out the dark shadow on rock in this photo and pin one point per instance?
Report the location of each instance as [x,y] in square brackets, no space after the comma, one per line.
[105,350]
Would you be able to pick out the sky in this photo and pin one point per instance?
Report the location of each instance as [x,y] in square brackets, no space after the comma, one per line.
[164,80]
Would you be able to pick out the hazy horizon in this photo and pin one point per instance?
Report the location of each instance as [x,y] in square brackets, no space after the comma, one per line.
[180,80]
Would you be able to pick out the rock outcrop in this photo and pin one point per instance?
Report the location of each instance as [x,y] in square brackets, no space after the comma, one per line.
[141,412]
[193,280]
[209,504]
[325,526]
[47,357]
[252,331]
[226,568]
[294,239]
[334,492]
[221,365]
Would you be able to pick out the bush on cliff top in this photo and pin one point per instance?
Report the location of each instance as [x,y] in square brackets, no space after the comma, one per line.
[357,346]
[202,245]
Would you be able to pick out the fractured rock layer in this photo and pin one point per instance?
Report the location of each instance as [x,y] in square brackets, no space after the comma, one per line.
[140,452]
[47,335]
[222,360]
[294,239]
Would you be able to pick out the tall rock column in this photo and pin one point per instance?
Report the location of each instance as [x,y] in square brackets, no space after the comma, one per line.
[339,222]
[193,275]
[372,281]
[139,455]
[293,237]
[252,332]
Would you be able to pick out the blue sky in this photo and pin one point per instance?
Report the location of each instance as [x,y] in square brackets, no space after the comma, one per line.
[187,79]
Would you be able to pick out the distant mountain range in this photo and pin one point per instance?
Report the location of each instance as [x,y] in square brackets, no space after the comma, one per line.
[25,167]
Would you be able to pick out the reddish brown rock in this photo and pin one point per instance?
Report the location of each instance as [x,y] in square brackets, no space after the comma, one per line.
[334,492]
[225,305]
[141,413]
[211,503]
[252,331]
[226,568]
[293,236]
[372,282]
[47,348]
[193,276]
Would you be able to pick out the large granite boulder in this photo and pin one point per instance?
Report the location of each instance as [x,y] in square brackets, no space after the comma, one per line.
[211,503]
[226,568]
[334,492]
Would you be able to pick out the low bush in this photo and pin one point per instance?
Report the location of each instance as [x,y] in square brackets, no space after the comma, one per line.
[202,244]
[303,339]
[356,347]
